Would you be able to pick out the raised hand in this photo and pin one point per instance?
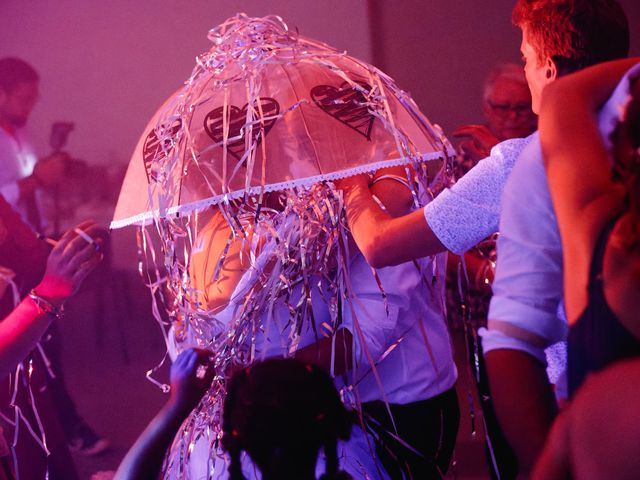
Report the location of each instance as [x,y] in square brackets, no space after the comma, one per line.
[476,141]
[74,256]
[191,376]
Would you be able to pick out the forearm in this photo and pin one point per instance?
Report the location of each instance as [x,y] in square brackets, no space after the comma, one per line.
[144,459]
[382,239]
[523,401]
[19,333]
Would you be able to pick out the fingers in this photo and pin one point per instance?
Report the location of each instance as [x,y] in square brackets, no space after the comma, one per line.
[84,270]
[83,234]
[352,181]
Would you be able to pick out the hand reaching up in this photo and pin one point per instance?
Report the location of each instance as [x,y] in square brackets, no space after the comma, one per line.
[476,141]
[71,260]
[191,376]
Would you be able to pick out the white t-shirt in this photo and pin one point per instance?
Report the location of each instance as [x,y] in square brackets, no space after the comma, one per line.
[17,160]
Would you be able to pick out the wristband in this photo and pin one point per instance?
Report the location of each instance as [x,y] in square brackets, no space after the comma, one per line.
[45,306]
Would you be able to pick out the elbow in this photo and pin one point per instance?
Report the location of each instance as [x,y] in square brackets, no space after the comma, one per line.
[376,253]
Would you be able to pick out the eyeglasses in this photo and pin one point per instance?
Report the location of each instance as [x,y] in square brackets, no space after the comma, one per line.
[504,109]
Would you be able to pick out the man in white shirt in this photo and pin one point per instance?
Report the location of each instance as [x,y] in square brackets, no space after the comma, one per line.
[22,178]
[523,317]
[592,31]
[22,175]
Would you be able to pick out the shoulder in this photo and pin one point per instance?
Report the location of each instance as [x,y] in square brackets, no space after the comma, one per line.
[508,151]
[527,179]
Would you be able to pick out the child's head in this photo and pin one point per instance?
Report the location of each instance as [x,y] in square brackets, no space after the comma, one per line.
[281,412]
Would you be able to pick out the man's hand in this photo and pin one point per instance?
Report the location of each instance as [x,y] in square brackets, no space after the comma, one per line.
[476,141]
[191,376]
[353,181]
[74,256]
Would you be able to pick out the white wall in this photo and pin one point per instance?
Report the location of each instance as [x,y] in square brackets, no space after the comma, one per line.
[107,65]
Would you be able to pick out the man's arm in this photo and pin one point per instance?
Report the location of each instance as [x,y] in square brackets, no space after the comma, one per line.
[523,401]
[456,220]
[523,318]
[69,263]
[382,239]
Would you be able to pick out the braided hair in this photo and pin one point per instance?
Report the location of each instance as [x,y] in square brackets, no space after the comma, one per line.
[626,140]
[281,412]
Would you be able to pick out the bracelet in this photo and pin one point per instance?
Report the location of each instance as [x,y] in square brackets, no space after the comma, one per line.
[45,306]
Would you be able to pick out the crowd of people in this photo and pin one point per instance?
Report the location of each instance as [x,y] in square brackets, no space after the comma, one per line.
[566,201]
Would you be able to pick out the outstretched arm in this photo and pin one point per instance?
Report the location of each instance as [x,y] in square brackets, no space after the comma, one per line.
[191,376]
[383,239]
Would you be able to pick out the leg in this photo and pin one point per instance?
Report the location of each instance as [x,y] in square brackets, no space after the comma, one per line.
[427,430]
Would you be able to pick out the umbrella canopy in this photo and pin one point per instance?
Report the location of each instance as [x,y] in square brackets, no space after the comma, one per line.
[267,109]
[263,124]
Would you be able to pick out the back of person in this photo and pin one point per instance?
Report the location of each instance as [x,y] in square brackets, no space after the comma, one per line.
[281,412]
[600,336]
[608,327]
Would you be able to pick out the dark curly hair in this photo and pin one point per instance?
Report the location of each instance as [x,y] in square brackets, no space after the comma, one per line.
[574,33]
[281,412]
[626,141]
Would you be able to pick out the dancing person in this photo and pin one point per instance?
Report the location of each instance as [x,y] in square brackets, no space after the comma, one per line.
[569,35]
[24,179]
[409,392]
[191,375]
[597,206]
[558,37]
[506,107]
[281,412]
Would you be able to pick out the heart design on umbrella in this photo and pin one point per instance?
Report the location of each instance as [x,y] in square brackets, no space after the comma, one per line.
[152,148]
[347,105]
[214,122]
